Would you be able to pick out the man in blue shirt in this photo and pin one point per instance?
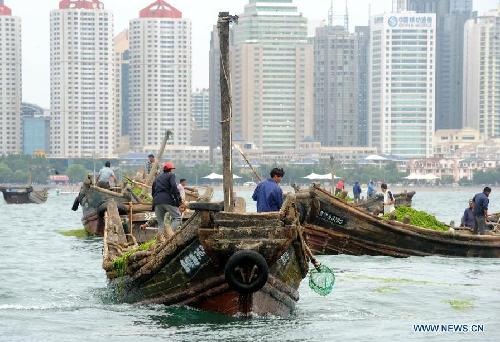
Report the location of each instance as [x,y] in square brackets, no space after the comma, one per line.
[371,189]
[268,193]
[481,202]
[356,190]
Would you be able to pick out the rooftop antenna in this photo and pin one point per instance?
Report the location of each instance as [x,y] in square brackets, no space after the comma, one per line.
[346,19]
[330,14]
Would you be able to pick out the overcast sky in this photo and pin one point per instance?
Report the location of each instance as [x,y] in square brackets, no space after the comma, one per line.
[203,14]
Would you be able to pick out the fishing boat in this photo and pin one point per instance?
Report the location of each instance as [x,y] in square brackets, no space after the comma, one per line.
[373,204]
[24,194]
[333,226]
[221,259]
[226,262]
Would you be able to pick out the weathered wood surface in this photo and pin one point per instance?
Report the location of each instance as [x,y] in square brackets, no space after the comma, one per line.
[333,227]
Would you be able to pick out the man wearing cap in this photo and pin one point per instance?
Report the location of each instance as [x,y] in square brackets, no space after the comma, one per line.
[166,198]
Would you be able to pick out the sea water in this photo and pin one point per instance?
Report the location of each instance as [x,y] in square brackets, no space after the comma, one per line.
[53,288]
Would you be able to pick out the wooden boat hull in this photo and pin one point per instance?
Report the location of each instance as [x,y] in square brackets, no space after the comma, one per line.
[334,227]
[189,269]
[24,195]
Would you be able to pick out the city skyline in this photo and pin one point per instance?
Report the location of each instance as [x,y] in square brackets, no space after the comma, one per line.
[36,31]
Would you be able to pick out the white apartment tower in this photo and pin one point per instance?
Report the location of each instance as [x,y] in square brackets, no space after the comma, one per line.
[402,74]
[482,74]
[160,76]
[10,81]
[272,68]
[82,80]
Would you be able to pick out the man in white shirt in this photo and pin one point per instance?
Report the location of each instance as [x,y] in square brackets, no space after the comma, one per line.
[105,174]
[389,201]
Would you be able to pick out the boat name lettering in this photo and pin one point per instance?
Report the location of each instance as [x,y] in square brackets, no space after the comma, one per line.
[193,260]
[331,218]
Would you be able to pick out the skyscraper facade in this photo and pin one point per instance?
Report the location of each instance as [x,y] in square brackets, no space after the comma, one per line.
[200,108]
[272,76]
[160,76]
[482,74]
[82,88]
[10,81]
[335,87]
[122,85]
[362,48]
[402,83]
[451,16]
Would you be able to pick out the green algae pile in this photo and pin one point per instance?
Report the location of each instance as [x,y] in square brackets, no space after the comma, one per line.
[78,233]
[418,218]
[120,263]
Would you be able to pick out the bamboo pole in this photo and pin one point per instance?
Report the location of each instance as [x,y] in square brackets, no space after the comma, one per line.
[152,174]
[248,163]
[225,86]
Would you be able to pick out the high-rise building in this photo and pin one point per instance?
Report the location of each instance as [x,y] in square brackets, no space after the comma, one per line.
[272,76]
[451,16]
[200,108]
[214,136]
[335,87]
[82,86]
[482,73]
[35,129]
[362,49]
[10,81]
[160,76]
[402,78]
[122,82]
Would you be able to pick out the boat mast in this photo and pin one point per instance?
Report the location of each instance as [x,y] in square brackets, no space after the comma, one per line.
[225,90]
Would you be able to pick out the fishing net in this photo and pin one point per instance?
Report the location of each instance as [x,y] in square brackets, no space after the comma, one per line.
[321,280]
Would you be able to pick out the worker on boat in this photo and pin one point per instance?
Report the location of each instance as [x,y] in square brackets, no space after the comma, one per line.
[149,165]
[481,202]
[389,201]
[356,190]
[468,220]
[340,186]
[166,198]
[105,175]
[371,191]
[268,193]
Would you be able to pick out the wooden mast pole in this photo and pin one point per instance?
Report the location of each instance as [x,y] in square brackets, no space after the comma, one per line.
[225,89]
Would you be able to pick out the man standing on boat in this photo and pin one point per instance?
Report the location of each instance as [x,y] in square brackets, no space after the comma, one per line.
[481,202]
[389,201]
[340,186]
[356,190]
[166,198]
[371,189]
[149,165]
[105,174]
[268,193]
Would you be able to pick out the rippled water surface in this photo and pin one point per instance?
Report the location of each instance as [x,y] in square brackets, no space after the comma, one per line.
[52,288]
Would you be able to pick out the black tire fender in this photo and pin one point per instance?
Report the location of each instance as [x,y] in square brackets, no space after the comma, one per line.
[246,271]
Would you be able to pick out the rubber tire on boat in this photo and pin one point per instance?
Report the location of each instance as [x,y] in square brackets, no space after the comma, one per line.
[245,259]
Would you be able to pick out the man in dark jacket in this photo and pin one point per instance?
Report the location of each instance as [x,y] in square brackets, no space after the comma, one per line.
[481,202]
[468,218]
[356,190]
[268,193]
[166,198]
